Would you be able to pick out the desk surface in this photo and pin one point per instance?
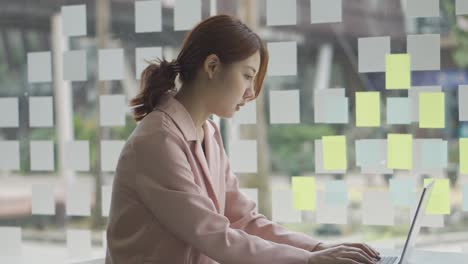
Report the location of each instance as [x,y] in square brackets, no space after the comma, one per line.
[429,257]
[417,257]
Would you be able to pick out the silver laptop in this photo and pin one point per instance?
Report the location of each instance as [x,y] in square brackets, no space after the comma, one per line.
[414,229]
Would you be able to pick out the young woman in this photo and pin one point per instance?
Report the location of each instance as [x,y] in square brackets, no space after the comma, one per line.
[175,198]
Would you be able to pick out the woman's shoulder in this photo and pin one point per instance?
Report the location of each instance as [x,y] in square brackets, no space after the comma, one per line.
[153,128]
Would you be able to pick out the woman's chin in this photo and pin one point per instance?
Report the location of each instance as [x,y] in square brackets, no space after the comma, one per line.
[226,114]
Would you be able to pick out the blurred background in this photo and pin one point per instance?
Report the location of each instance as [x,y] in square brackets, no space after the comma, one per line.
[327,57]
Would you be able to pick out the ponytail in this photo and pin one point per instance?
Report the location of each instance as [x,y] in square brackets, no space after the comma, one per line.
[156,80]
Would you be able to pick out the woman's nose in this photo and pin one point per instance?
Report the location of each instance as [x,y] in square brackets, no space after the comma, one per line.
[249,94]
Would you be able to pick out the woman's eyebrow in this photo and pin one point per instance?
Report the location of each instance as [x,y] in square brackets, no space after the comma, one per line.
[252,68]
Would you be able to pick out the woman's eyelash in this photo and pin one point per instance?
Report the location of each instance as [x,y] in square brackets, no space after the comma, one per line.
[248,77]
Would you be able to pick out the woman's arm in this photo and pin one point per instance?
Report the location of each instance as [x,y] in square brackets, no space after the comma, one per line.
[165,183]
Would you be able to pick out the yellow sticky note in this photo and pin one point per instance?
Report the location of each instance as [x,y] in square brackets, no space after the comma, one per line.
[303,193]
[397,71]
[334,153]
[463,147]
[439,200]
[368,109]
[432,110]
[400,151]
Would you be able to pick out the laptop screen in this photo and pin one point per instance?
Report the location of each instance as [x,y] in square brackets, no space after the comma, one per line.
[416,221]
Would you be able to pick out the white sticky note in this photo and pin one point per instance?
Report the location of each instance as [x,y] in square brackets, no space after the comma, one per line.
[145,54]
[372,154]
[41,111]
[377,208]
[372,52]
[283,58]
[429,163]
[42,155]
[283,210]
[336,193]
[79,244]
[111,64]
[75,65]
[106,192]
[399,110]
[9,155]
[319,160]
[10,244]
[39,67]
[434,154]
[112,110]
[325,11]
[78,201]
[465,198]
[284,107]
[422,8]
[110,153]
[330,213]
[461,8]
[424,51]
[281,12]
[413,94]
[330,109]
[247,114]
[77,155]
[462,105]
[324,113]
[187,13]
[403,191]
[336,110]
[148,16]
[43,202]
[252,194]
[74,20]
[243,156]
[9,116]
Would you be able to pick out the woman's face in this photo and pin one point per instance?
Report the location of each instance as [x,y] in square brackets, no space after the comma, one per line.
[234,86]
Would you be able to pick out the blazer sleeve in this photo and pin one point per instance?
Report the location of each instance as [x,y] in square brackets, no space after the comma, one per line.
[240,210]
[166,186]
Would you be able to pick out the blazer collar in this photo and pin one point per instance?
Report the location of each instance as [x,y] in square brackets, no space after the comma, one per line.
[182,118]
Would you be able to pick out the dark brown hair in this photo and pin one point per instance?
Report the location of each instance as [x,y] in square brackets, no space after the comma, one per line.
[223,35]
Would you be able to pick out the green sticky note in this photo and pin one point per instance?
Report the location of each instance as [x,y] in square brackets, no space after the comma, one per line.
[439,201]
[397,71]
[432,110]
[334,153]
[400,151]
[303,193]
[463,146]
[368,109]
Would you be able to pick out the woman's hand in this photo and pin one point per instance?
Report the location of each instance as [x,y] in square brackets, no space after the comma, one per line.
[342,254]
[368,249]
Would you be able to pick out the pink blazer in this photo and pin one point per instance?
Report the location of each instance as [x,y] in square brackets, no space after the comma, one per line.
[171,204]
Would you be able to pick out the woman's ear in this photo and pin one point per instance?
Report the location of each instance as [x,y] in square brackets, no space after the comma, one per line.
[212,65]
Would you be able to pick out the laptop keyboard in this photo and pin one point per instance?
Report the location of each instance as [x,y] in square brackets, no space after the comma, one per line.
[388,260]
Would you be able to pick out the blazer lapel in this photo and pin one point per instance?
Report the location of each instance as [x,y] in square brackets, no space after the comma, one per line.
[206,165]
[184,122]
